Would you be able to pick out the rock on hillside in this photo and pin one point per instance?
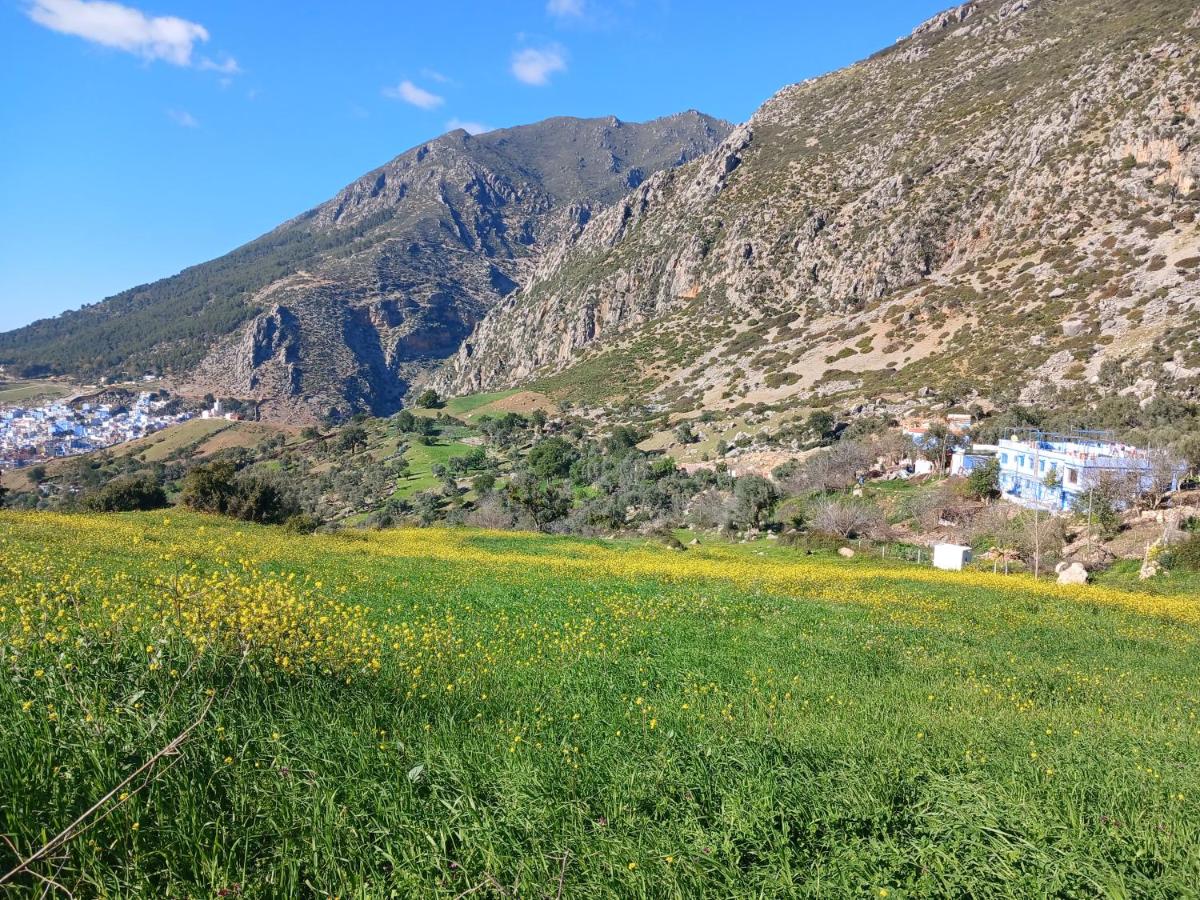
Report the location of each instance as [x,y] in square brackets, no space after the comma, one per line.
[1003,203]
[334,311]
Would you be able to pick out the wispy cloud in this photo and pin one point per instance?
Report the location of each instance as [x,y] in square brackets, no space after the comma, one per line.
[182,118]
[410,93]
[168,38]
[535,66]
[565,9]
[468,127]
[227,65]
[435,75]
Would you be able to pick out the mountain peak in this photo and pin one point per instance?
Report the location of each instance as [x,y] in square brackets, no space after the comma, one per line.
[337,309]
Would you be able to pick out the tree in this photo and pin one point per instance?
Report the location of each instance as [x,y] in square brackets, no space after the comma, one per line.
[621,440]
[983,482]
[754,497]
[684,433]
[218,488]
[820,424]
[3,489]
[352,439]
[1160,478]
[834,469]
[210,487]
[483,483]
[844,517]
[551,458]
[127,493]
[427,505]
[429,399]
[1187,448]
[543,501]
[405,421]
[937,443]
[259,499]
[1105,493]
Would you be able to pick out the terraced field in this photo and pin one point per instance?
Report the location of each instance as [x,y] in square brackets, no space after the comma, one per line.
[453,713]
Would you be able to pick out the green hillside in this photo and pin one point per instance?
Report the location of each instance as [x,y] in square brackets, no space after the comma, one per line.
[451,713]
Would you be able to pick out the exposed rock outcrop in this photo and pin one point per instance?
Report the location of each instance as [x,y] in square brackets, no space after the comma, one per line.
[337,310]
[1005,200]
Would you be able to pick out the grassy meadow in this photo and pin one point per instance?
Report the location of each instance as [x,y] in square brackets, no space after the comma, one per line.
[454,713]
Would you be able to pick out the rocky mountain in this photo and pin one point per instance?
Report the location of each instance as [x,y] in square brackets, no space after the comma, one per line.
[336,310]
[1000,206]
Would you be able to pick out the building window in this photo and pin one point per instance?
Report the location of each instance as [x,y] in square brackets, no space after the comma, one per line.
[1004,457]
[1072,476]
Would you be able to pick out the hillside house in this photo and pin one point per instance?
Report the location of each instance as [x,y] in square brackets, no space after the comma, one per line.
[1052,471]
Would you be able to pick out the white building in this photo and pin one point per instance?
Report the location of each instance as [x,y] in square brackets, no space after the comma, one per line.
[1052,471]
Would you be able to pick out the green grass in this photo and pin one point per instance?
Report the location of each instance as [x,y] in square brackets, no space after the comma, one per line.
[421,459]
[632,721]
[26,391]
[462,406]
[164,444]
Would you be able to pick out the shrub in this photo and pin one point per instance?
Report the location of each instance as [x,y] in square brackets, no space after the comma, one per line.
[126,494]
[301,523]
[984,481]
[429,399]
[1186,554]
[551,458]
[753,499]
[218,488]
[845,517]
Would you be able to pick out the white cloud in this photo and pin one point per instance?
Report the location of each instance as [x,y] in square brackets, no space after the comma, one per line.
[565,9]
[182,118]
[468,127]
[435,75]
[227,66]
[168,38]
[410,93]
[535,66]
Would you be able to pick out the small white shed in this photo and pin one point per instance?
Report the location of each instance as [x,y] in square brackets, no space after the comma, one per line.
[951,556]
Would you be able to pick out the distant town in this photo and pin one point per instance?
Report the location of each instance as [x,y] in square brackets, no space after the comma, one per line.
[31,434]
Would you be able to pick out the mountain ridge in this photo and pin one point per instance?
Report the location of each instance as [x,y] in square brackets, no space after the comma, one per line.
[332,311]
[1001,204]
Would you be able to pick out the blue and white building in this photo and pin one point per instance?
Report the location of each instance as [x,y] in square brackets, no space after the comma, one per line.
[1052,471]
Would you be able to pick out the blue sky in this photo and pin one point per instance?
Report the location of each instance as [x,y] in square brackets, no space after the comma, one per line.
[139,138]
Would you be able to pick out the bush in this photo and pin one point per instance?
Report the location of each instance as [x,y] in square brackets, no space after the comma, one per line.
[551,458]
[830,470]
[301,523]
[1186,554]
[429,399]
[218,488]
[984,481]
[126,494]
[846,518]
[753,499]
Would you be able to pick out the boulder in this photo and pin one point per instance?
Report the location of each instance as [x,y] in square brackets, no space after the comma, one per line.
[1073,573]
[1073,327]
[846,552]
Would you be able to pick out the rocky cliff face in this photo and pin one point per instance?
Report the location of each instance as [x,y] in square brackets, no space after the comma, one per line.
[449,229]
[337,310]
[1002,204]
